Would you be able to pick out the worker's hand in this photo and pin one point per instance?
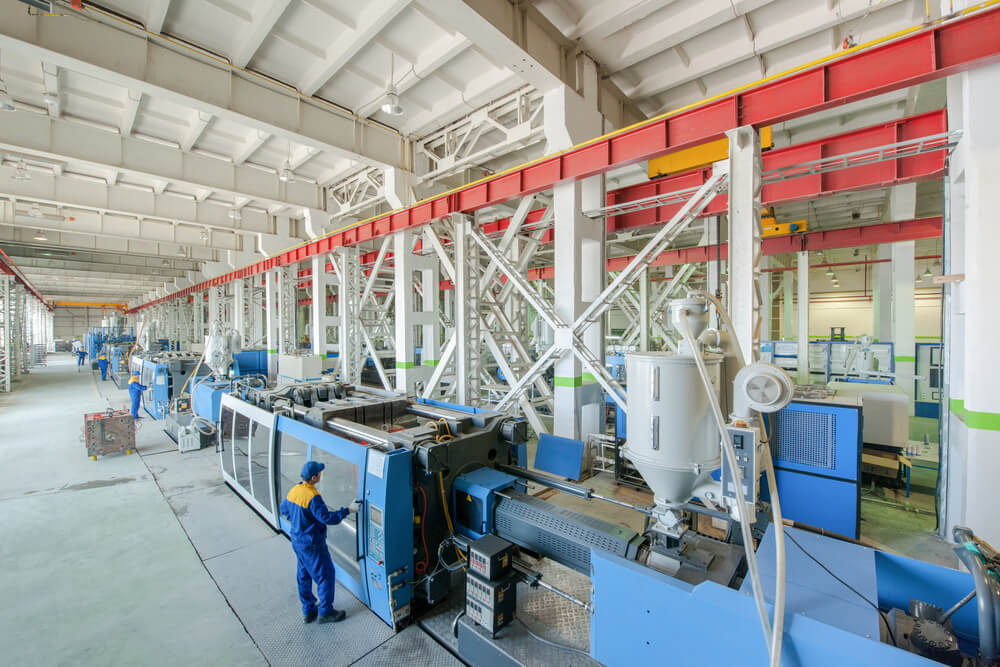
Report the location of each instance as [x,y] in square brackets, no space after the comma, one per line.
[354,507]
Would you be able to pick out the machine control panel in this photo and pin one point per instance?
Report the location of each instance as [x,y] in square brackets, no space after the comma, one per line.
[745,447]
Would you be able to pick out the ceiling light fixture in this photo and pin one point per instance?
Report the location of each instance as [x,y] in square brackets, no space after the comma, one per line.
[180,251]
[21,171]
[235,215]
[164,263]
[40,236]
[927,273]
[286,175]
[391,106]
[829,272]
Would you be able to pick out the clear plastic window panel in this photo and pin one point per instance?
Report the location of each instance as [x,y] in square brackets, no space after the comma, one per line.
[226,440]
[339,488]
[291,457]
[260,442]
[241,450]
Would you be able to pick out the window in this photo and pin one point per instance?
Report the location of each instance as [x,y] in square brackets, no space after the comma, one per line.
[339,488]
[291,457]
[241,450]
[226,440]
[260,464]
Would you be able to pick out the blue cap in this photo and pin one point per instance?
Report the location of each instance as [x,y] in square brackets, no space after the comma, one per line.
[312,468]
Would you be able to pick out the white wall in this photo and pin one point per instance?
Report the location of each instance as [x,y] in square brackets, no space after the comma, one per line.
[857,316]
[74,322]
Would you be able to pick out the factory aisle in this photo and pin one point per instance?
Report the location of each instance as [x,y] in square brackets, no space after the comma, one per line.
[97,569]
[158,561]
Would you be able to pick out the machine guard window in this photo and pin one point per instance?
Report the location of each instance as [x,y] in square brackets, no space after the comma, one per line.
[339,487]
[226,440]
[241,450]
[260,462]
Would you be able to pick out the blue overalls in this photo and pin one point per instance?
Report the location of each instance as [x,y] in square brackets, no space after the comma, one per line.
[81,355]
[102,363]
[135,390]
[308,515]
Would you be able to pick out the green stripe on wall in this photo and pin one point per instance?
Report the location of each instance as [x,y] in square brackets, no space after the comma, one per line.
[272,352]
[431,362]
[405,364]
[905,358]
[984,421]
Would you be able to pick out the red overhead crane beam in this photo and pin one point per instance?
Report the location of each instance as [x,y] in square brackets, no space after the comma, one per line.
[891,232]
[905,59]
[803,188]
[7,266]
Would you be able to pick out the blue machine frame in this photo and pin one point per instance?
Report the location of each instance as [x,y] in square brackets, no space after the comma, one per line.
[817,464]
[373,552]
[825,624]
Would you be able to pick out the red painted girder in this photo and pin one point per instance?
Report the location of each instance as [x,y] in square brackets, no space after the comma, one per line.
[934,52]
[7,266]
[908,230]
[879,174]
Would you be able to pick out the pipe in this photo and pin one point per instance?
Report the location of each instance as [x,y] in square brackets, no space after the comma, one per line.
[958,605]
[730,457]
[777,632]
[534,578]
[984,594]
[577,490]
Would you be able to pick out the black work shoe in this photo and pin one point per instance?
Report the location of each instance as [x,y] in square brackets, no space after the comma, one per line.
[336,617]
[310,617]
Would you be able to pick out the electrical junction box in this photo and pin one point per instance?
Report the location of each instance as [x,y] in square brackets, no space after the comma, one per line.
[474,500]
[491,604]
[490,557]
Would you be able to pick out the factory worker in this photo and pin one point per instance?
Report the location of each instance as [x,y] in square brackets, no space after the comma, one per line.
[308,515]
[81,354]
[102,363]
[135,389]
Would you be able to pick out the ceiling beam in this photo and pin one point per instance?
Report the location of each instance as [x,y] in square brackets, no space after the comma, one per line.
[257,30]
[156,14]
[196,128]
[35,265]
[130,109]
[123,56]
[61,140]
[53,96]
[518,37]
[376,16]
[91,198]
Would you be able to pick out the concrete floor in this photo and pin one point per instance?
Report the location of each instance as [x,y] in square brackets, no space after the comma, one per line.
[149,559]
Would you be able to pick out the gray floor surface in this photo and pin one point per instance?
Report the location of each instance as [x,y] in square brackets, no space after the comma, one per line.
[149,559]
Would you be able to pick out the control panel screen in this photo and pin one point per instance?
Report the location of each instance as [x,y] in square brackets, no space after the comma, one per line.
[375,515]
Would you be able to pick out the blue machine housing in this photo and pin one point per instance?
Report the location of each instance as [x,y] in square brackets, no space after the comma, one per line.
[97,337]
[372,552]
[478,489]
[825,623]
[817,464]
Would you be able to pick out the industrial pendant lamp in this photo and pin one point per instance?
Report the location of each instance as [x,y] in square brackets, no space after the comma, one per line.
[286,175]
[829,272]
[927,273]
[391,106]
[40,236]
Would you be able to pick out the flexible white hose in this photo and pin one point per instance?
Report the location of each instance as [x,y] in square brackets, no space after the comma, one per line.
[777,632]
[727,447]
